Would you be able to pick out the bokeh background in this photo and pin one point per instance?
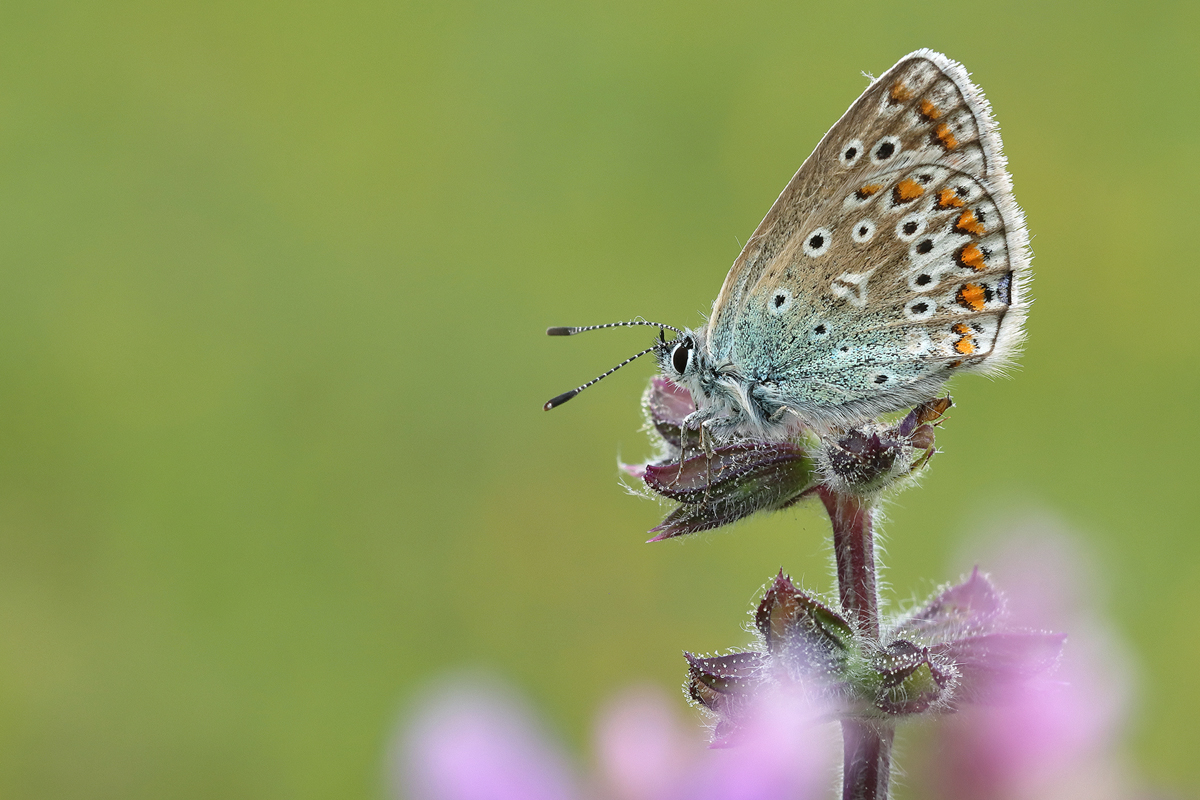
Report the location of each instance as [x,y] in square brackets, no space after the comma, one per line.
[274,281]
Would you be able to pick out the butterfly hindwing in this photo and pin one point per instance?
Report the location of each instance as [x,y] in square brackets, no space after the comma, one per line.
[895,256]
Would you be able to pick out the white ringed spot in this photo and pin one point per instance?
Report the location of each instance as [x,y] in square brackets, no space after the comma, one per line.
[910,227]
[920,308]
[863,231]
[925,280]
[817,243]
[781,301]
[851,153]
[885,149]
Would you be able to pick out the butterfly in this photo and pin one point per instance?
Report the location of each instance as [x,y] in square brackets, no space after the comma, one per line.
[895,258]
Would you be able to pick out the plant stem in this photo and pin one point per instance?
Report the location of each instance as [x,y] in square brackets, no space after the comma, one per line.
[854,549]
[867,765]
[867,748]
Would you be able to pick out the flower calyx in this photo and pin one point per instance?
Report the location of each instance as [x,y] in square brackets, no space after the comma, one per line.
[740,476]
[714,488]
[868,459]
[953,649]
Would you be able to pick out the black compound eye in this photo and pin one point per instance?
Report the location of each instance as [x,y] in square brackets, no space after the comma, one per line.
[681,355]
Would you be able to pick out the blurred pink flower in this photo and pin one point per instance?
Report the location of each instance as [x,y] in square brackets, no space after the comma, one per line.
[468,742]
[1056,735]
[1018,721]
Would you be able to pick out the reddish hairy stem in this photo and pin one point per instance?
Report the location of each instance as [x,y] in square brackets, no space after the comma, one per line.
[854,549]
[867,749]
[867,762]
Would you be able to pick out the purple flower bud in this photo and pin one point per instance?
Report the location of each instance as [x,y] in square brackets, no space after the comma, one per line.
[865,460]
[725,686]
[808,636]
[970,606]
[966,630]
[861,457]
[732,483]
[714,679]
[911,679]
[743,476]
[958,647]
[720,486]
[666,405]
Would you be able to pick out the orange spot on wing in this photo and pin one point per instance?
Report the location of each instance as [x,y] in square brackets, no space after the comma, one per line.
[900,93]
[971,256]
[967,223]
[944,136]
[965,345]
[971,296]
[948,198]
[868,190]
[929,110]
[908,190]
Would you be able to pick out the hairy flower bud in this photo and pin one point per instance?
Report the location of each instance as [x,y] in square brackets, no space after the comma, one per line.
[720,486]
[911,680]
[955,648]
[801,630]
[715,486]
[868,459]
[730,484]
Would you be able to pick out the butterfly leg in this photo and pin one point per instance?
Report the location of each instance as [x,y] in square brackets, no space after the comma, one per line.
[706,445]
[683,448]
[697,421]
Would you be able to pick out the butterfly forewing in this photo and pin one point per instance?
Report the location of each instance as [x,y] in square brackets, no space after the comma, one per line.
[893,257]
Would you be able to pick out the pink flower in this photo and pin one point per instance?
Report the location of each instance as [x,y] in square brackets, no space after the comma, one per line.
[468,742]
[1056,735]
[471,741]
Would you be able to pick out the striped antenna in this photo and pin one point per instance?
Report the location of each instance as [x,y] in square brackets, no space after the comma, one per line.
[565,396]
[573,331]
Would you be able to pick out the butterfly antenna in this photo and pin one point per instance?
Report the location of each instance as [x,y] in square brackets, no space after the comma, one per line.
[573,331]
[565,396]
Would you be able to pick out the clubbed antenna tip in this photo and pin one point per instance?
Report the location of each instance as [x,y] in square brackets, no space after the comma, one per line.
[558,401]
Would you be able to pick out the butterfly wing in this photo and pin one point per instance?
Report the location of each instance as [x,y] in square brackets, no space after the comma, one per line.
[894,257]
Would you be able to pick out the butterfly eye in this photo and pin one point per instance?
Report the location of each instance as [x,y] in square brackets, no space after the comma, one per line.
[681,356]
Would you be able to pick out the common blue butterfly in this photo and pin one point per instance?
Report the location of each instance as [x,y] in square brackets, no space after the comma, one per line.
[895,258]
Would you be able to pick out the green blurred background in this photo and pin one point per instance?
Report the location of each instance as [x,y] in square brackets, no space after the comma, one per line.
[275,277]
